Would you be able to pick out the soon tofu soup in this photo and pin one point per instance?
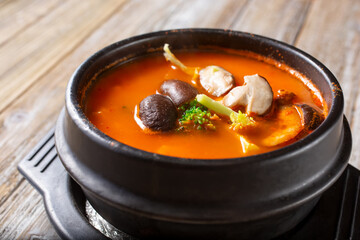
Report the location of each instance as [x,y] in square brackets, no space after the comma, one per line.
[205,105]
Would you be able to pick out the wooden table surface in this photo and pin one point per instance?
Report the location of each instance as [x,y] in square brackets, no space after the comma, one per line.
[43,41]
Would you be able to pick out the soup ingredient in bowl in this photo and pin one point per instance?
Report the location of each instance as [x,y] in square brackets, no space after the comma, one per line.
[284,97]
[180,92]
[311,118]
[158,113]
[238,119]
[287,126]
[169,56]
[216,80]
[256,94]
[196,116]
[216,106]
[247,146]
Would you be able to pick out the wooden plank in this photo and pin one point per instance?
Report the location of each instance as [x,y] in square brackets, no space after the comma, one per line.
[23,216]
[15,16]
[279,19]
[20,116]
[198,14]
[333,37]
[33,52]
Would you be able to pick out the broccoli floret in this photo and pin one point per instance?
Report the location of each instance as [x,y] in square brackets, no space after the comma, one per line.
[197,116]
[241,121]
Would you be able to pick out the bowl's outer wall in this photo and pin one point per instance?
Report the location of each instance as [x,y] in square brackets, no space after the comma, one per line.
[145,227]
[198,190]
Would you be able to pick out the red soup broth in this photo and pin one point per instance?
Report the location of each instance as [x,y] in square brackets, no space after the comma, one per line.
[112,102]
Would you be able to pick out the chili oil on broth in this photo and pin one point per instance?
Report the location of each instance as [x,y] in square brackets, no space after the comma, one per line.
[111,102]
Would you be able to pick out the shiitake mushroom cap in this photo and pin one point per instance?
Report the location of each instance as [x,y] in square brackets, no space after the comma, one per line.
[284,97]
[310,116]
[179,91]
[158,112]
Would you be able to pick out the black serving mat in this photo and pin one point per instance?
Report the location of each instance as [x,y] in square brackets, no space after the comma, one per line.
[336,216]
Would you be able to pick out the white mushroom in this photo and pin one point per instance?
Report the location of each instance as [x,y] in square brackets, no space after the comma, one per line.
[256,94]
[216,80]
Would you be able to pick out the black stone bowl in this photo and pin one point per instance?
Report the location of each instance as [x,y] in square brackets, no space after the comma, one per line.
[154,196]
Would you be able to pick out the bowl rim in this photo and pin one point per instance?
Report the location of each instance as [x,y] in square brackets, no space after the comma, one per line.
[73,106]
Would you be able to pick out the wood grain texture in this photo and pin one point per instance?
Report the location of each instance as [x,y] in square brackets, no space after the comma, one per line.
[15,121]
[279,19]
[16,16]
[333,37]
[38,48]
[26,220]
[205,14]
[56,36]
